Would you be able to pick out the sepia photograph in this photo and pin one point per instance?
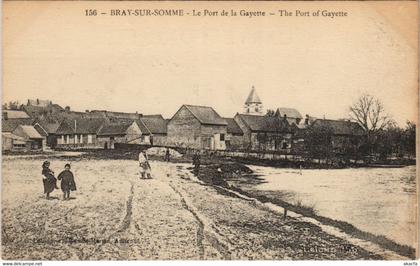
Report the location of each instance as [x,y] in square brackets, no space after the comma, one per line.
[209,130]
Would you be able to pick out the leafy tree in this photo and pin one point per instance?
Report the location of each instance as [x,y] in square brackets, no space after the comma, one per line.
[318,142]
[409,139]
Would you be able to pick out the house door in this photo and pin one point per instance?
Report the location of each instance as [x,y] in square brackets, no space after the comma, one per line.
[106,145]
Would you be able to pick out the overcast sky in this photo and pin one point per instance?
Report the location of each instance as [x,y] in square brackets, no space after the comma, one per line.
[154,65]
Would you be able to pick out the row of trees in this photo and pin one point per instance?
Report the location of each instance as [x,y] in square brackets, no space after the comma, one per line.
[382,138]
[393,141]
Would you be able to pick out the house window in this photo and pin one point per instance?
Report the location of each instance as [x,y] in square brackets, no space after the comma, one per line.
[81,138]
[89,139]
[75,139]
[222,137]
[68,139]
[284,145]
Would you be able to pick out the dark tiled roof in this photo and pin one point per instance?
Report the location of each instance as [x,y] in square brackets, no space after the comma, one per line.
[289,112]
[114,129]
[51,128]
[143,127]
[155,123]
[265,123]
[233,127]
[340,127]
[10,124]
[80,126]
[206,115]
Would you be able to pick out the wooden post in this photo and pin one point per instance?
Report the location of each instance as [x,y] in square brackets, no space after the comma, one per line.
[285,214]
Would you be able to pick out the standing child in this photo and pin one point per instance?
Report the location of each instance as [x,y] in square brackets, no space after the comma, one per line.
[67,182]
[167,155]
[50,182]
[197,162]
[144,164]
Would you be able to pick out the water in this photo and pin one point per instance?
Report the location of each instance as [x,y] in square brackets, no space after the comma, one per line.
[377,200]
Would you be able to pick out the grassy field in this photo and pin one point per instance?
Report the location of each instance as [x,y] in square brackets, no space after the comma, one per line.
[114,215]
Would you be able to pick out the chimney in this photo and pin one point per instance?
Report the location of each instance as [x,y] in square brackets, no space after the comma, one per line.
[37,101]
[306,119]
[75,125]
[284,117]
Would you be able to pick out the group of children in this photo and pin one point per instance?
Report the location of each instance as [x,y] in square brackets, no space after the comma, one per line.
[50,182]
[67,178]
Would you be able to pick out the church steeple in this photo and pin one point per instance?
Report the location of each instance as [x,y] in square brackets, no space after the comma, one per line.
[253,104]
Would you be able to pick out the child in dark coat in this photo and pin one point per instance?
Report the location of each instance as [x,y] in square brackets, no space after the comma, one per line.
[67,182]
[50,182]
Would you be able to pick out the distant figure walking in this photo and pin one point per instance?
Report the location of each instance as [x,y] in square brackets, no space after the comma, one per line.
[145,169]
[67,182]
[167,155]
[196,162]
[50,182]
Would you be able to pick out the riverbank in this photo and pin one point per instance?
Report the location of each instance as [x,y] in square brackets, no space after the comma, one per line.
[210,158]
[115,215]
[235,177]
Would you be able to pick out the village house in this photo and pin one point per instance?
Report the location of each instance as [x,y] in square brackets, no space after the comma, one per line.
[12,142]
[128,133]
[33,140]
[234,136]
[99,133]
[49,130]
[264,133]
[80,133]
[345,133]
[11,119]
[9,124]
[292,115]
[157,126]
[197,127]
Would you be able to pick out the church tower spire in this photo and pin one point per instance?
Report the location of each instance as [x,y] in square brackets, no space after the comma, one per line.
[253,104]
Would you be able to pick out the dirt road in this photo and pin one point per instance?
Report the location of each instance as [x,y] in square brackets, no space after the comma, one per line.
[115,215]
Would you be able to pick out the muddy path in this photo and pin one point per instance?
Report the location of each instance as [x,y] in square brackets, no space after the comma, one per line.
[115,215]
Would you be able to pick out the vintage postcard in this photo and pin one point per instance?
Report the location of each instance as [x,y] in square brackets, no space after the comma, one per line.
[278,130]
